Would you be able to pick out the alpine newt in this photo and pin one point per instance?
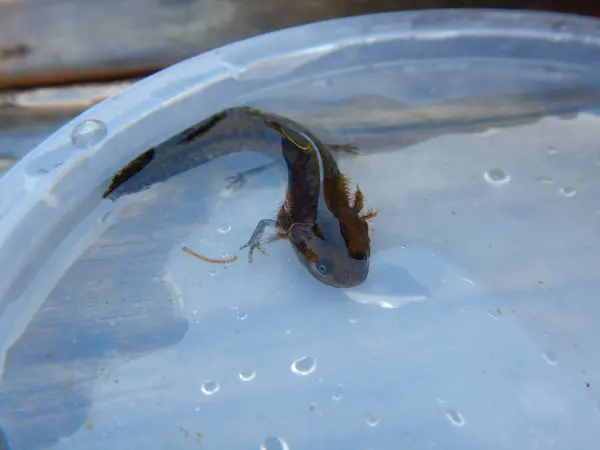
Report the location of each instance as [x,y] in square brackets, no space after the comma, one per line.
[321,216]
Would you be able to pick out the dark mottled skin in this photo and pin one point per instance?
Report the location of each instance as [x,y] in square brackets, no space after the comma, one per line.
[322,219]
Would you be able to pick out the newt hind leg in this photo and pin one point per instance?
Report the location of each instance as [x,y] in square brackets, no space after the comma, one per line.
[238,180]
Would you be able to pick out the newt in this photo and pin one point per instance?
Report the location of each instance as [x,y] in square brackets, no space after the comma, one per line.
[321,216]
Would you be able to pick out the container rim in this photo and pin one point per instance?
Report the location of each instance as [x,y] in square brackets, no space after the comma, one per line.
[28,212]
[231,59]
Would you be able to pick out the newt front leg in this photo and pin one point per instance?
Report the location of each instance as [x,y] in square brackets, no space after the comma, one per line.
[254,243]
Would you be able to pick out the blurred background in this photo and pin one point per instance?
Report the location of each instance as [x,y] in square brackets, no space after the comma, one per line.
[58,57]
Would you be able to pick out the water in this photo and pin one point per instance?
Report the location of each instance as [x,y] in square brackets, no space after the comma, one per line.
[484,269]
[274,443]
[455,418]
[88,133]
[568,191]
[247,375]
[371,420]
[210,387]
[304,366]
[496,176]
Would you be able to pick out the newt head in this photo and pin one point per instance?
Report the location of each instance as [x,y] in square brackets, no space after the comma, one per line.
[336,252]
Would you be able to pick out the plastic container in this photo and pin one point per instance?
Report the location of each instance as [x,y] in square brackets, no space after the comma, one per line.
[478,324]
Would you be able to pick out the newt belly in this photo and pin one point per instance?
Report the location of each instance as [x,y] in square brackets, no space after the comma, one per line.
[321,217]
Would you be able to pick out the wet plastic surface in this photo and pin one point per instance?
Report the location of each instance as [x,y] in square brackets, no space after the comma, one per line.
[476,328]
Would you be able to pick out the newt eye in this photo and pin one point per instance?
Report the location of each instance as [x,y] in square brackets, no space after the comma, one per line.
[324,266]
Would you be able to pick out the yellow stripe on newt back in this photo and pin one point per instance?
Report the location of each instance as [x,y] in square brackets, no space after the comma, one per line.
[306,148]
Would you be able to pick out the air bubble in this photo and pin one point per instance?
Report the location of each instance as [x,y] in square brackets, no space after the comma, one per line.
[274,443]
[247,375]
[338,394]
[371,420]
[210,387]
[496,176]
[455,418]
[88,133]
[224,230]
[495,314]
[550,357]
[304,366]
[242,316]
[567,191]
[213,273]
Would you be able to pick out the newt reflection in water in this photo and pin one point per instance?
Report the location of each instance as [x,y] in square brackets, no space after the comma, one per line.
[322,219]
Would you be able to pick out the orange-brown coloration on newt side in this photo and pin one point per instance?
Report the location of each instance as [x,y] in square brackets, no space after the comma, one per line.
[321,217]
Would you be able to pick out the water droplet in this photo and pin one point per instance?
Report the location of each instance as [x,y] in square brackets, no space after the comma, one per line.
[224,230]
[352,321]
[288,331]
[467,280]
[551,357]
[567,191]
[197,408]
[371,420]
[455,418]
[247,375]
[496,177]
[88,133]
[242,316]
[495,314]
[552,151]
[274,443]
[213,273]
[338,394]
[112,323]
[210,387]
[235,307]
[304,366]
